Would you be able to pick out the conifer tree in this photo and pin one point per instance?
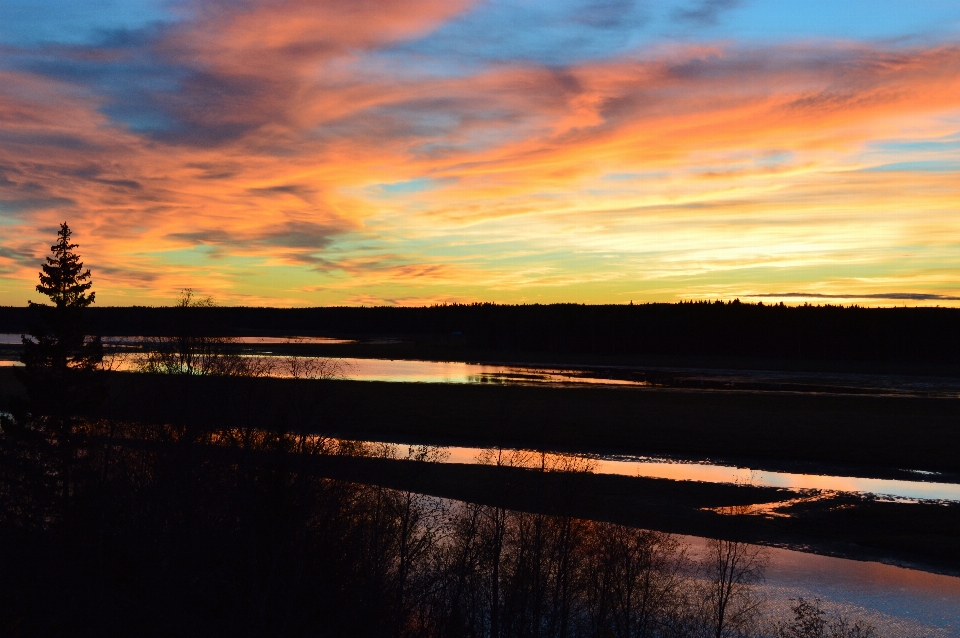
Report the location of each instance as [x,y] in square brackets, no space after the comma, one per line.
[57,341]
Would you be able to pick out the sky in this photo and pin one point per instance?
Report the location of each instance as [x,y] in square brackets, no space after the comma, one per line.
[389,152]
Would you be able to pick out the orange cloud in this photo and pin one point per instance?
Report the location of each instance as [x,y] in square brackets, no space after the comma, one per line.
[291,149]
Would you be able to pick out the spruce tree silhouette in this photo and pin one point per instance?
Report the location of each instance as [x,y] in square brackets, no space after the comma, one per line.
[58,341]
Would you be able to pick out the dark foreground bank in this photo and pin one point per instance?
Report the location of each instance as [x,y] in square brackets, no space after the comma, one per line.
[118,529]
[870,434]
[919,536]
[866,435]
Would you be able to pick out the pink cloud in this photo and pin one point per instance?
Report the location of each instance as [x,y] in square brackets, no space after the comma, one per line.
[286,113]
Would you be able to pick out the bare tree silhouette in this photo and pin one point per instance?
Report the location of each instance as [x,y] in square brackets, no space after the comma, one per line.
[190,349]
[731,605]
[811,620]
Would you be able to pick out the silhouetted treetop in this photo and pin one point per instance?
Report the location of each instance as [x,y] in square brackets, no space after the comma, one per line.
[57,337]
[63,278]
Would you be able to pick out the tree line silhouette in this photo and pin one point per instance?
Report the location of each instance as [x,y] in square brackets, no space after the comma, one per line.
[712,329]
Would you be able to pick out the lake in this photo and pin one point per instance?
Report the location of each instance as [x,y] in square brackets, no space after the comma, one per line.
[423,371]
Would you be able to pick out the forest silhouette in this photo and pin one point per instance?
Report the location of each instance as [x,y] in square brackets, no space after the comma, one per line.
[923,336]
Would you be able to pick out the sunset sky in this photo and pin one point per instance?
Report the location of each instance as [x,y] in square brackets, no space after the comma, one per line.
[312,152]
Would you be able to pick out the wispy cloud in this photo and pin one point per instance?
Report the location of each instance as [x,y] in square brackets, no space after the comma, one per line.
[294,147]
[704,12]
[296,235]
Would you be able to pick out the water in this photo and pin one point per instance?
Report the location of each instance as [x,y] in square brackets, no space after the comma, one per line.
[707,473]
[414,371]
[15,339]
[899,601]
[247,341]
[392,370]
[899,489]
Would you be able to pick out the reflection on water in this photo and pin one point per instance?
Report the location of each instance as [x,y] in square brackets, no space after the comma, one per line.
[15,339]
[291,340]
[392,370]
[773,510]
[708,473]
[522,373]
[400,370]
[403,370]
[902,602]
[728,474]
[899,601]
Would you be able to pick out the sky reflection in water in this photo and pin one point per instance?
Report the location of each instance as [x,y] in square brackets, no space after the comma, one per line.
[901,602]
[421,371]
[659,468]
[402,370]
[392,370]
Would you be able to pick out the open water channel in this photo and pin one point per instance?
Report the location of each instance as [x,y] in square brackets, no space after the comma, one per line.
[421,371]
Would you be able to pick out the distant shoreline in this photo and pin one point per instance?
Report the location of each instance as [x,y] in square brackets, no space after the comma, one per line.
[734,335]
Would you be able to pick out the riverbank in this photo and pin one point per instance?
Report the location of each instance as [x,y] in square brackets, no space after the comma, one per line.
[870,434]
[844,525]
[914,535]
[866,435]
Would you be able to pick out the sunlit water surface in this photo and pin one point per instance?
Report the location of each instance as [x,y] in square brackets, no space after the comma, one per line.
[16,339]
[710,473]
[900,602]
[401,370]
[392,370]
